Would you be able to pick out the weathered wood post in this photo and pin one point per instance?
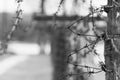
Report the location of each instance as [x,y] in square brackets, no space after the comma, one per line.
[112,46]
[59,55]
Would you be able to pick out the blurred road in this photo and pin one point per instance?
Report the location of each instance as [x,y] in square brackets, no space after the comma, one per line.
[26,68]
[28,64]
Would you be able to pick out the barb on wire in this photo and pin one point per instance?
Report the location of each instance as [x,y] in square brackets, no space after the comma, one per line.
[89,73]
[101,63]
[79,34]
[55,14]
[86,46]
[76,51]
[61,2]
[84,66]
[104,67]
[82,18]
[76,21]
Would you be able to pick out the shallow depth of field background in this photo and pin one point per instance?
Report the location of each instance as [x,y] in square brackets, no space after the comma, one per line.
[32,46]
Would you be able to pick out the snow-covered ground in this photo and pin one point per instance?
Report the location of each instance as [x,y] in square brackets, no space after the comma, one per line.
[10,62]
[22,51]
[23,48]
[27,48]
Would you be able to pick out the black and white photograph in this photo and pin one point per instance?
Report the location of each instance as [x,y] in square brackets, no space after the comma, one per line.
[59,39]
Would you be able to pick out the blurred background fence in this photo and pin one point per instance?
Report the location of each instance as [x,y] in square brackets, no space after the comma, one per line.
[41,25]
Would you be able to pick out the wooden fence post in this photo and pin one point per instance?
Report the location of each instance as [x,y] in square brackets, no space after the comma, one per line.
[112,46]
[59,55]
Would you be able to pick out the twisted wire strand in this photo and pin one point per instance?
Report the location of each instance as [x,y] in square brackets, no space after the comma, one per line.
[90,72]
[82,18]
[55,14]
[17,20]
[85,66]
[77,50]
[58,9]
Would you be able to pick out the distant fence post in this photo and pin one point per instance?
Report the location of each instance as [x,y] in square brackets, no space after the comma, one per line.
[59,55]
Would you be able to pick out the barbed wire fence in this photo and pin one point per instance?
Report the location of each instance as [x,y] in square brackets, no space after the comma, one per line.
[104,36]
[76,50]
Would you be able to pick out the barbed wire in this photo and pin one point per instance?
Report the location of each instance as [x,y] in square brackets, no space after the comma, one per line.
[18,19]
[58,9]
[91,47]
